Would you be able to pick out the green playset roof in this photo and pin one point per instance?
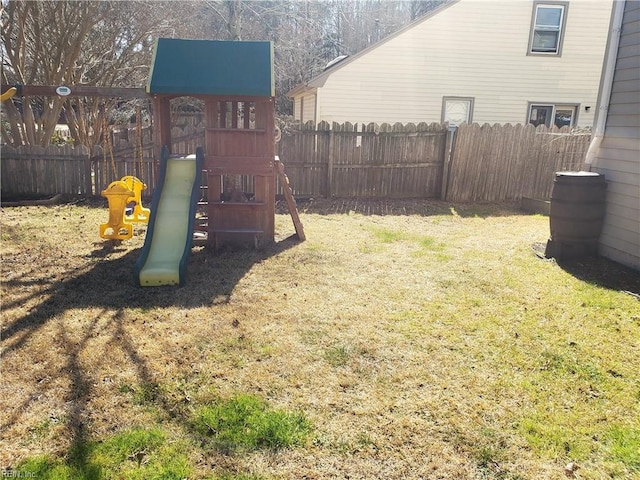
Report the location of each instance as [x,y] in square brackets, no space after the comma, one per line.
[212,67]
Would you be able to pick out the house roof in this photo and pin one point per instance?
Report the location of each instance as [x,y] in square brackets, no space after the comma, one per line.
[319,80]
[212,67]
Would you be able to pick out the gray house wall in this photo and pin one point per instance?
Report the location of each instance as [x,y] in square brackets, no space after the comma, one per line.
[618,156]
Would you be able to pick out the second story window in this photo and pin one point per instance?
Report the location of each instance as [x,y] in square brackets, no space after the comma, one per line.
[547,28]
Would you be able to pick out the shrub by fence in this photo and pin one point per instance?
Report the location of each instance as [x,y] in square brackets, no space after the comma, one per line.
[478,163]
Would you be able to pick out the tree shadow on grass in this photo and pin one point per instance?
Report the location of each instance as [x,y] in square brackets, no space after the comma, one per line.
[211,278]
[110,286]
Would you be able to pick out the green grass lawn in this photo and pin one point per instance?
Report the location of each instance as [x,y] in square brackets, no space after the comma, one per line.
[431,342]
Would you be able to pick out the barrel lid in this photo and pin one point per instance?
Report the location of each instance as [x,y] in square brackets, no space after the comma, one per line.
[578,174]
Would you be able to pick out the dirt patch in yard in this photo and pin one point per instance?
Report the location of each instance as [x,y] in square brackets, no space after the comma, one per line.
[385,207]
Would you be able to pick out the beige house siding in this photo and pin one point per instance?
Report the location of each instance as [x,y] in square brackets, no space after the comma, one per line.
[305,106]
[297,107]
[619,154]
[309,107]
[458,51]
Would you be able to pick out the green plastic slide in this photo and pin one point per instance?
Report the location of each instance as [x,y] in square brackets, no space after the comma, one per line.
[170,232]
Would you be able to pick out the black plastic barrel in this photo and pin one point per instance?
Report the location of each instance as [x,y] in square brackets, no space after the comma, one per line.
[576,214]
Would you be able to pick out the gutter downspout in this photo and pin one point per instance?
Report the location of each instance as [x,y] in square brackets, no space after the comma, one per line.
[606,83]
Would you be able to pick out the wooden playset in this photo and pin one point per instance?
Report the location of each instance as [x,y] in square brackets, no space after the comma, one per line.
[236,84]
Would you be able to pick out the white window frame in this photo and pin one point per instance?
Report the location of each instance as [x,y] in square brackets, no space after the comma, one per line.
[554,108]
[560,29]
[469,100]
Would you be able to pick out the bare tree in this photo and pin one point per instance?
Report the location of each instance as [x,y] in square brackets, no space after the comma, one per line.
[109,43]
[38,50]
[117,53]
[418,8]
[51,42]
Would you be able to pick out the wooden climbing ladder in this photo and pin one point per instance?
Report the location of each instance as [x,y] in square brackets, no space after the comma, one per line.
[291,202]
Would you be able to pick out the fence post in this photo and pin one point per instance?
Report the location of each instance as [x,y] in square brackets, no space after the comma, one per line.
[88,182]
[446,161]
[330,160]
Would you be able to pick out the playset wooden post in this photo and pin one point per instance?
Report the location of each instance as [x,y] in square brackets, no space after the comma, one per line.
[235,81]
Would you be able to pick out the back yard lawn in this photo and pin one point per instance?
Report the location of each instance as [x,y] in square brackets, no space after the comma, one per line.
[402,340]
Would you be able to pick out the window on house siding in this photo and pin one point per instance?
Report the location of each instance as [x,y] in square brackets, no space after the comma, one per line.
[550,114]
[457,110]
[547,28]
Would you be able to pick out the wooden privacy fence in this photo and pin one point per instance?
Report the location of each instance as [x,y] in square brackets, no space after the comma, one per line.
[508,162]
[476,164]
[39,171]
[351,160]
[34,170]
[30,171]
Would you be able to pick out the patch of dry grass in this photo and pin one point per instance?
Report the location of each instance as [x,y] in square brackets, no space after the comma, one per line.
[428,342]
